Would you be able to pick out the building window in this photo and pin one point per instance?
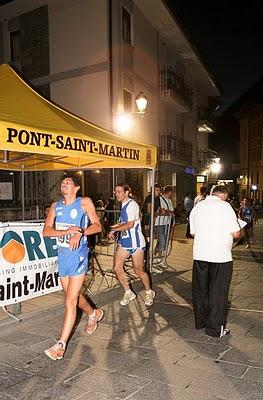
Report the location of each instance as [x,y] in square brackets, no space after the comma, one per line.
[15,45]
[126,26]
[127,101]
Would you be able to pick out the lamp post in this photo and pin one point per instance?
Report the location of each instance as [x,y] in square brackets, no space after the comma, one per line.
[214,169]
[141,103]
[124,120]
[254,188]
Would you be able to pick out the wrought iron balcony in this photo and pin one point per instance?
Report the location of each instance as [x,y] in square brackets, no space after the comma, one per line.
[172,148]
[205,120]
[205,157]
[172,85]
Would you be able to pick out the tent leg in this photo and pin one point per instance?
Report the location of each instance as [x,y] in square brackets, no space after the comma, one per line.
[113,181]
[10,314]
[23,193]
[152,223]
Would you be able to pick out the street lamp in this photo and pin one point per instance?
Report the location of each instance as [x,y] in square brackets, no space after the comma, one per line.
[124,121]
[254,188]
[215,166]
[214,169]
[141,103]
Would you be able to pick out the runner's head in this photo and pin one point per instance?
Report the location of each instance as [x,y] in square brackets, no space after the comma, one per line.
[122,191]
[70,185]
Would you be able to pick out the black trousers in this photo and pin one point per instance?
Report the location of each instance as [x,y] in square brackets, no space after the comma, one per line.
[211,283]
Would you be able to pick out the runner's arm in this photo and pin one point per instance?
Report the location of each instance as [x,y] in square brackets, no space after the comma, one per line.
[123,227]
[49,229]
[95,225]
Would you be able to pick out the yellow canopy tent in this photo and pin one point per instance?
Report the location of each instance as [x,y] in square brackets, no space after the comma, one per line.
[36,135]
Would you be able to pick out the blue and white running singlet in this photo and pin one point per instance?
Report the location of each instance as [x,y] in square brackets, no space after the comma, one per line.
[71,262]
[131,238]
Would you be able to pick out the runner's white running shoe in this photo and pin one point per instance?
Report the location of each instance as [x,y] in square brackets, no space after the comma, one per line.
[150,295]
[128,296]
[56,352]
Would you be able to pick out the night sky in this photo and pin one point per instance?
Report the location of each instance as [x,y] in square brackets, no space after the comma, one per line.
[229,36]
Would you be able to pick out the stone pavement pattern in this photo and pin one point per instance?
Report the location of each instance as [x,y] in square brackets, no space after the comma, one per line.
[139,353]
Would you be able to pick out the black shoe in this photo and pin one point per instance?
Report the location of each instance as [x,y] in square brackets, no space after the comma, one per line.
[225,332]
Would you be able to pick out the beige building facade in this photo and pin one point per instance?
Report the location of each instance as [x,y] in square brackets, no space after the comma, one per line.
[93,58]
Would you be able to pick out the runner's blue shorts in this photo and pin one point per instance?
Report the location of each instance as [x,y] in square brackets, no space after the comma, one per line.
[72,264]
[132,251]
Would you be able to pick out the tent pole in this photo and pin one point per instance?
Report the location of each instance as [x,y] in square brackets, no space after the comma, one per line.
[152,223]
[23,193]
[113,181]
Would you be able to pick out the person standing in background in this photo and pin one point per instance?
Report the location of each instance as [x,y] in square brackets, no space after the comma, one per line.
[246,213]
[201,196]
[213,224]
[188,205]
[164,219]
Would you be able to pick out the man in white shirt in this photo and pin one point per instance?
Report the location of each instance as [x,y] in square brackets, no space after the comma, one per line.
[213,224]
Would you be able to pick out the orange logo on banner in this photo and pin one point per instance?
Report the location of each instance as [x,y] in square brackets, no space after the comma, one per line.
[13,249]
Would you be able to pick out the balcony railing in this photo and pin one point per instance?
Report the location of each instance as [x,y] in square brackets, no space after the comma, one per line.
[172,148]
[205,120]
[171,82]
[205,157]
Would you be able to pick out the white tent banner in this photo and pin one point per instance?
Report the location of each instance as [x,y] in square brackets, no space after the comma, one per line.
[28,263]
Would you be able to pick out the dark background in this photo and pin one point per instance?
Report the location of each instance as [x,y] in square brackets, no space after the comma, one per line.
[229,35]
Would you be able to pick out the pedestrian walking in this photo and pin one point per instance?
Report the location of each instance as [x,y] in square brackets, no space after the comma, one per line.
[213,224]
[246,213]
[70,220]
[131,242]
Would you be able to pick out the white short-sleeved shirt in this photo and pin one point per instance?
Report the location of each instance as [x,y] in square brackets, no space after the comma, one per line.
[212,221]
[131,238]
[166,204]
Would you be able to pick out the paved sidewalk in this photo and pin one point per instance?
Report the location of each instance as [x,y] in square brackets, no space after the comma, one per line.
[139,353]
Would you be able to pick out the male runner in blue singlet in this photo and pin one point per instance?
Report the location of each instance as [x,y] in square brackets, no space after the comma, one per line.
[70,220]
[131,242]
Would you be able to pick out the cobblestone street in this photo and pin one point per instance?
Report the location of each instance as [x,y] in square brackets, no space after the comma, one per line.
[139,353]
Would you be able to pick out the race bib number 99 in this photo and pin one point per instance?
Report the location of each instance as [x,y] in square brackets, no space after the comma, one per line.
[63,240]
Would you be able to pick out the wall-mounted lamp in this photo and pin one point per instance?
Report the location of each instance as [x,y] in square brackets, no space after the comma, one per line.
[215,166]
[124,121]
[141,103]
